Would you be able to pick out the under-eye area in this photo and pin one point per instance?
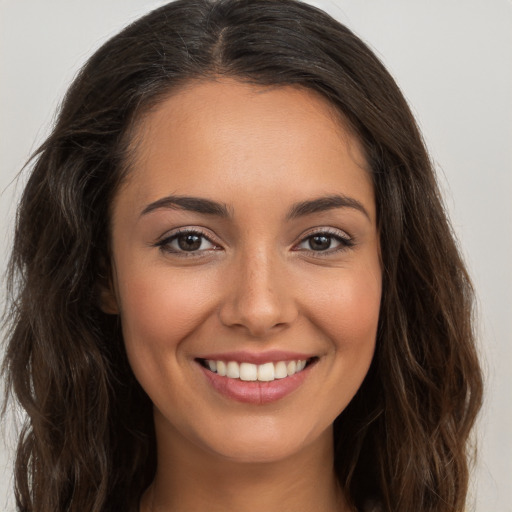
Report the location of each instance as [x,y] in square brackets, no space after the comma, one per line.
[265,372]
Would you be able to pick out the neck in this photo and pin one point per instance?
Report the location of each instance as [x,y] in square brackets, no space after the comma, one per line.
[191,478]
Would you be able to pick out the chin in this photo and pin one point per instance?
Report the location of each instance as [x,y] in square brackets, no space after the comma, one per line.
[248,453]
[264,443]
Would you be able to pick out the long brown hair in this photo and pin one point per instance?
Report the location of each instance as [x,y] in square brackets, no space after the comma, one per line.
[88,442]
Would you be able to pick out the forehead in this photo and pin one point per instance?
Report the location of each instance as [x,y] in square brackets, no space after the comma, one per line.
[212,138]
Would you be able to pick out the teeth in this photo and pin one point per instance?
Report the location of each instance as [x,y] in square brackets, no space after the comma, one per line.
[280,370]
[266,372]
[221,368]
[248,371]
[233,370]
[291,367]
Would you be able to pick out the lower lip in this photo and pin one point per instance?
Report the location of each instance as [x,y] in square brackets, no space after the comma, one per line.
[256,392]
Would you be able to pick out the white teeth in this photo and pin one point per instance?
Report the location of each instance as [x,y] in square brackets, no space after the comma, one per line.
[248,371]
[233,370]
[266,372]
[221,368]
[291,367]
[280,370]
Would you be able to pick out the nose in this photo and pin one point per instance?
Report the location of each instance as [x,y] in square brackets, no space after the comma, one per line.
[258,296]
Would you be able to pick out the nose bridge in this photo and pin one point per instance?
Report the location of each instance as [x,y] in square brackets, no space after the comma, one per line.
[258,295]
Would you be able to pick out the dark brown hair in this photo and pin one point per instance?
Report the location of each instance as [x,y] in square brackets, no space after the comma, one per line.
[88,442]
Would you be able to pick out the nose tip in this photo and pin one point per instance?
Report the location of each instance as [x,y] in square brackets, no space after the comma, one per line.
[258,323]
[258,300]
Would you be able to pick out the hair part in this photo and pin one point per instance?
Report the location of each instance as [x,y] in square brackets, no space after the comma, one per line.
[403,440]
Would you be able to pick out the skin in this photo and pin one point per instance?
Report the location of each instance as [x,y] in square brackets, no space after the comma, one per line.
[256,285]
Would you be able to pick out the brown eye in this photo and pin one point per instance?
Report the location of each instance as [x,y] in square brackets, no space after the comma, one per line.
[189,242]
[320,242]
[325,242]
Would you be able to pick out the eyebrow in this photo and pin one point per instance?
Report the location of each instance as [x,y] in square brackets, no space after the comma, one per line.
[209,207]
[192,204]
[323,204]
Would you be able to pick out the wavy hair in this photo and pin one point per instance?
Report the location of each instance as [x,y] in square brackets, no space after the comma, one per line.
[88,442]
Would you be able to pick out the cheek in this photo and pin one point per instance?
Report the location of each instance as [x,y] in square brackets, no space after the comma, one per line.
[347,309]
[351,324]
[359,305]
[159,309]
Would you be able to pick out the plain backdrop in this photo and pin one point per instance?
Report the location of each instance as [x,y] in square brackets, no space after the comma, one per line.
[453,61]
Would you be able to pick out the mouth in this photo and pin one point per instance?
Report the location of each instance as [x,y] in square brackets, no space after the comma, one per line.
[256,384]
[250,372]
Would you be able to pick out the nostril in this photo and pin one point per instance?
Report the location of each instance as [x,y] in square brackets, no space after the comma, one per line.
[260,307]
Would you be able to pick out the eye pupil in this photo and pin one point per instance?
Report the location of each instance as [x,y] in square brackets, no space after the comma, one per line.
[189,242]
[320,242]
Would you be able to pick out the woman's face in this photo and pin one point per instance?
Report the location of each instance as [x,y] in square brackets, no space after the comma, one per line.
[245,240]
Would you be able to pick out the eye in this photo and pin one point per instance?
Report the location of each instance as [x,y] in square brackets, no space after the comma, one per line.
[187,241]
[325,241]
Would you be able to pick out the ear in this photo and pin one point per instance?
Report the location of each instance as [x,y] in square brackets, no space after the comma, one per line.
[107,299]
[106,292]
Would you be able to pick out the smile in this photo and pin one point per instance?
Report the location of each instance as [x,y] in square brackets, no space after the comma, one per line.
[266,372]
[256,378]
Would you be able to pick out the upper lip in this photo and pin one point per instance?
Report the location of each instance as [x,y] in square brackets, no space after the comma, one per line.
[270,356]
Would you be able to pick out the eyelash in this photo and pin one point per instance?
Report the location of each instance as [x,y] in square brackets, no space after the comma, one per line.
[165,243]
[345,242]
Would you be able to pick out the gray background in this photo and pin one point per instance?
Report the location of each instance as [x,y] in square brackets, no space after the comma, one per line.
[452,59]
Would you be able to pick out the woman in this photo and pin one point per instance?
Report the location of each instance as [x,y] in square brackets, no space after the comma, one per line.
[234,285]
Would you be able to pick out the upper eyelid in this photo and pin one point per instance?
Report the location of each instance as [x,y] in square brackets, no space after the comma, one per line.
[340,233]
[163,244]
[346,241]
[169,235]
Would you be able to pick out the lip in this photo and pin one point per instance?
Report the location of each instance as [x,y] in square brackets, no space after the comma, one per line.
[256,392]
